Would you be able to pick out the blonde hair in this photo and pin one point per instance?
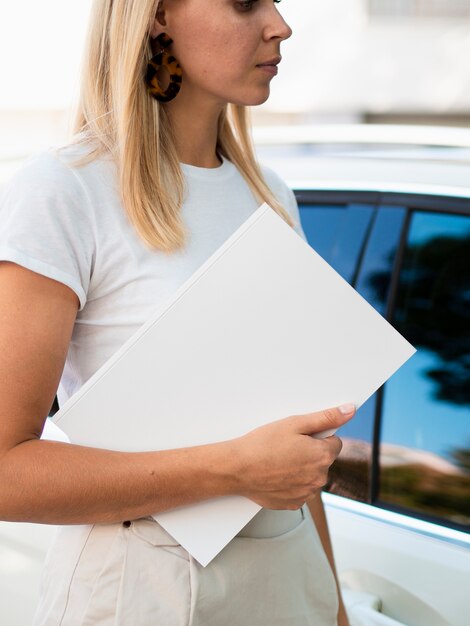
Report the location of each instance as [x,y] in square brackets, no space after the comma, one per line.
[116,115]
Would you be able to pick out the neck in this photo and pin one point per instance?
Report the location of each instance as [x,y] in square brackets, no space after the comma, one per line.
[195,128]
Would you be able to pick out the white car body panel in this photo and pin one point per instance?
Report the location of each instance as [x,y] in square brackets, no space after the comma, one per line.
[420,575]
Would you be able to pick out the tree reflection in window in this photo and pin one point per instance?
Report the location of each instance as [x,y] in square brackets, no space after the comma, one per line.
[425,430]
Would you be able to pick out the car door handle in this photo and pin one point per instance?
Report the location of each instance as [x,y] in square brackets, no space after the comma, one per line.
[363,609]
[365,616]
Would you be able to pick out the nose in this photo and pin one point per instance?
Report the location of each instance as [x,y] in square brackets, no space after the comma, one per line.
[277,27]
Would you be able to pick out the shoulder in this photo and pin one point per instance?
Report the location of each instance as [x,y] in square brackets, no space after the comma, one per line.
[284,194]
[275,182]
[59,176]
[281,190]
[44,174]
[47,194]
[47,223]
[43,168]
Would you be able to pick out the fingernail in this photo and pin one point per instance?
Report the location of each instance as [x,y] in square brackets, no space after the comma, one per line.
[347,409]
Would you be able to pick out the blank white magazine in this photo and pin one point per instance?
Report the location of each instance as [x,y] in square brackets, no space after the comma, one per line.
[263,330]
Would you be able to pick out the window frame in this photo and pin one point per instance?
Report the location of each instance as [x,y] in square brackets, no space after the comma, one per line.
[412,203]
[414,10]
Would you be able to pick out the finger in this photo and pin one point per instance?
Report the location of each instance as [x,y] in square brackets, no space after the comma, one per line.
[329,419]
[335,445]
[295,506]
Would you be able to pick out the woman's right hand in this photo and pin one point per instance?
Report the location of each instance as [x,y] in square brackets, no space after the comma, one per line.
[282,465]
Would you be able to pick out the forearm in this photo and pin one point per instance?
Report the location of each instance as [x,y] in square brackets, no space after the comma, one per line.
[278,465]
[317,510]
[56,483]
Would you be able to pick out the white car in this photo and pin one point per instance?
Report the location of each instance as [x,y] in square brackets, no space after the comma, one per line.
[396,224]
[389,208]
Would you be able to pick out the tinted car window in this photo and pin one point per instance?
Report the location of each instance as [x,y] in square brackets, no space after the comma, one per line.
[338,233]
[351,475]
[425,429]
[373,281]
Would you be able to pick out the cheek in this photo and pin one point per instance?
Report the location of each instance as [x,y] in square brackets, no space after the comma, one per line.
[222,64]
[214,56]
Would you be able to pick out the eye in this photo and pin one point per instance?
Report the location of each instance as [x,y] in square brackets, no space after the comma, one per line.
[247,5]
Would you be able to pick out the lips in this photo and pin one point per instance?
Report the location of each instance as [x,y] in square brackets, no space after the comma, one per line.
[270,62]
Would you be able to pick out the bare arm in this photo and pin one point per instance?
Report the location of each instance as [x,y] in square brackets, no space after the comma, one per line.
[315,504]
[276,465]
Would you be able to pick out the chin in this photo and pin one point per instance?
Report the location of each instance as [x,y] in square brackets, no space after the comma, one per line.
[253,100]
[260,100]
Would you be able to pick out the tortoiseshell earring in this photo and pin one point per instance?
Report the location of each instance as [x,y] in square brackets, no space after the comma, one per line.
[171,65]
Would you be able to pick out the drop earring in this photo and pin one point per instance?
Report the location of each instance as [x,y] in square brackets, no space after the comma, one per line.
[163,59]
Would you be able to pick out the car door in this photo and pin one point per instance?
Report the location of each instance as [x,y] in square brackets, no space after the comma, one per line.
[398,495]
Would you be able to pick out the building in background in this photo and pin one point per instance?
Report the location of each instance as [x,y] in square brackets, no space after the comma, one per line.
[349,60]
[374,61]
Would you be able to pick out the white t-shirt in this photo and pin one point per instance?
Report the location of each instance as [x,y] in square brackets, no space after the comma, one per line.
[68,223]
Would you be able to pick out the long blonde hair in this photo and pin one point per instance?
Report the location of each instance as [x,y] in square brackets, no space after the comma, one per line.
[117,116]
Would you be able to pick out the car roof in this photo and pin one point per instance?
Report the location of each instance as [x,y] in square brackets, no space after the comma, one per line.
[364,134]
[419,161]
[363,157]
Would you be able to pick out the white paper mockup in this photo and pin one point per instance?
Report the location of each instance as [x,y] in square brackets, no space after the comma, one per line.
[263,330]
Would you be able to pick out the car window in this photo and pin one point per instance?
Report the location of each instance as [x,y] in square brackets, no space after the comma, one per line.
[351,476]
[373,282]
[425,427]
[337,232]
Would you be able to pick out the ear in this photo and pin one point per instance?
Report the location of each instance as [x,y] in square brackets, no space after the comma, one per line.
[159,20]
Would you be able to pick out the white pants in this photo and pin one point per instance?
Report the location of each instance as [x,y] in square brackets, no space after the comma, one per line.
[113,575]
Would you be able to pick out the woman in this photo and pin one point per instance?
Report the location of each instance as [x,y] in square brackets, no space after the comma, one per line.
[94,237]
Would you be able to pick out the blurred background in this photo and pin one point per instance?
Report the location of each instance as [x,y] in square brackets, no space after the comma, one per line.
[372,61]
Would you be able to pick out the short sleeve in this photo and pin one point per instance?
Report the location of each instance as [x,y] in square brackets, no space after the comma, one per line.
[286,197]
[46,223]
